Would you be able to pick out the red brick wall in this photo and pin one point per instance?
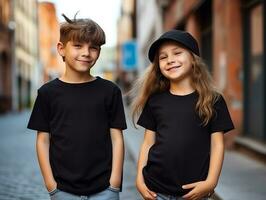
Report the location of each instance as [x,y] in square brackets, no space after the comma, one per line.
[177,11]
[227,48]
[193,27]
[171,15]
[227,52]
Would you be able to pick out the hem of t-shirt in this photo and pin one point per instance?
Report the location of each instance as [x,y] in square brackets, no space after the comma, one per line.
[85,192]
[153,186]
[223,128]
[39,128]
[149,183]
[146,126]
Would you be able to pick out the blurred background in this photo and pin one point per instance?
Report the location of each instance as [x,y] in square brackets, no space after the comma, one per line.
[231,35]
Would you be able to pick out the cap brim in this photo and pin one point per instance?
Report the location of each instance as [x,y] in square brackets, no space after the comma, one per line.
[155,45]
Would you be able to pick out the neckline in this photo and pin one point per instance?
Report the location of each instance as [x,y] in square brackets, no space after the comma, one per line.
[185,95]
[78,84]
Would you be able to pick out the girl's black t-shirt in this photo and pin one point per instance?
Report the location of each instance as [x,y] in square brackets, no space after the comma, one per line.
[181,152]
[78,118]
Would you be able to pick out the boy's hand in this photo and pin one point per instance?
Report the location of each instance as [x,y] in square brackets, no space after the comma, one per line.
[198,190]
[114,182]
[145,192]
[51,186]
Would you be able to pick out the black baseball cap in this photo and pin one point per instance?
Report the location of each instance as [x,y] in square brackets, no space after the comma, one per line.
[182,37]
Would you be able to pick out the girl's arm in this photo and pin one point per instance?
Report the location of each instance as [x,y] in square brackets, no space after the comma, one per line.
[149,140]
[203,188]
[216,159]
[118,157]
[42,147]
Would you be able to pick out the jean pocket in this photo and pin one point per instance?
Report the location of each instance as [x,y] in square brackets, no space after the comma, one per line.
[113,189]
[53,192]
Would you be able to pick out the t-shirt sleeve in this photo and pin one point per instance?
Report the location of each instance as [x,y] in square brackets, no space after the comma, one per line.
[39,119]
[116,111]
[221,120]
[146,119]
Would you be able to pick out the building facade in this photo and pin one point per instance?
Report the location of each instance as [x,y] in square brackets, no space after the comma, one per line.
[26,75]
[6,53]
[149,27]
[126,45]
[51,62]
[231,35]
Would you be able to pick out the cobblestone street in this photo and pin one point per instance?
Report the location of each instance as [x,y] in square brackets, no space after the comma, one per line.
[20,177]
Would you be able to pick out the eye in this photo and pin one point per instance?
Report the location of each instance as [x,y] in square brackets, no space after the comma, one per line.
[162,57]
[95,48]
[177,53]
[77,45]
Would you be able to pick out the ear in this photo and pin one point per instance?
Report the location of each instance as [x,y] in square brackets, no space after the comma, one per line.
[60,49]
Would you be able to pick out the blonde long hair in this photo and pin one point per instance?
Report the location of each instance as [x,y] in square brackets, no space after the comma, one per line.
[153,82]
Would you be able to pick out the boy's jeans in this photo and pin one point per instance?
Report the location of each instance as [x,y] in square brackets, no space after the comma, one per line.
[169,197]
[108,194]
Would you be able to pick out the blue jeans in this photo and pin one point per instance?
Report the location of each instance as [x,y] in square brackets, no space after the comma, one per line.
[108,194]
[169,197]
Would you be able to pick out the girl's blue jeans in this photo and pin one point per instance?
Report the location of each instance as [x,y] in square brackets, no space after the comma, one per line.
[169,197]
[108,194]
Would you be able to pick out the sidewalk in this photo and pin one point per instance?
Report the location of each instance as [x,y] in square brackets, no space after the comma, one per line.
[242,178]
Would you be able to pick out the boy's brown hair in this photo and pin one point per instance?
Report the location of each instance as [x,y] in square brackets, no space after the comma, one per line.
[81,30]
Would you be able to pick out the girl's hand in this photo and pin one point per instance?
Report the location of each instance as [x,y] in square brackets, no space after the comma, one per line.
[145,192]
[198,190]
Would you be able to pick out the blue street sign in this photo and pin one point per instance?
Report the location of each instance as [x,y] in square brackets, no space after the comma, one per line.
[129,55]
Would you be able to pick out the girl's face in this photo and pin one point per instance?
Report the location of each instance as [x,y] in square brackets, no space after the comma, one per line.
[175,62]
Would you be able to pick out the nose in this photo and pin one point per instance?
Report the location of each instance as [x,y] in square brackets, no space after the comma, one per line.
[170,60]
[86,51]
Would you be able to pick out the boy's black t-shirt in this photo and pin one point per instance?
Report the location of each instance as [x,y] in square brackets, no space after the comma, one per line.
[181,152]
[78,118]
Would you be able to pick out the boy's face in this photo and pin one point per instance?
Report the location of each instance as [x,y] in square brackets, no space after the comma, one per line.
[79,57]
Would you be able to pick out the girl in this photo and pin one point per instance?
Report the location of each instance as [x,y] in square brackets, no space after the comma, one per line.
[185,119]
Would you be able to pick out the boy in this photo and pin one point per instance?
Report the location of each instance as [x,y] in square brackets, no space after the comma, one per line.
[79,119]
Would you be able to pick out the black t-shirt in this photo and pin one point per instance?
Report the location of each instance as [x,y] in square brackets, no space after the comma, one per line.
[79,117]
[181,152]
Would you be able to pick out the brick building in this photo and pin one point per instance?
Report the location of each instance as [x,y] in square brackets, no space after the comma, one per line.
[6,38]
[51,63]
[231,37]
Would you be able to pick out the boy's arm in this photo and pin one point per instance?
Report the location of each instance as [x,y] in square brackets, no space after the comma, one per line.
[118,157]
[149,140]
[206,187]
[42,147]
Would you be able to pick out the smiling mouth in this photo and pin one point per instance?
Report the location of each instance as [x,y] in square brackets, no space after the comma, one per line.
[84,61]
[174,67]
